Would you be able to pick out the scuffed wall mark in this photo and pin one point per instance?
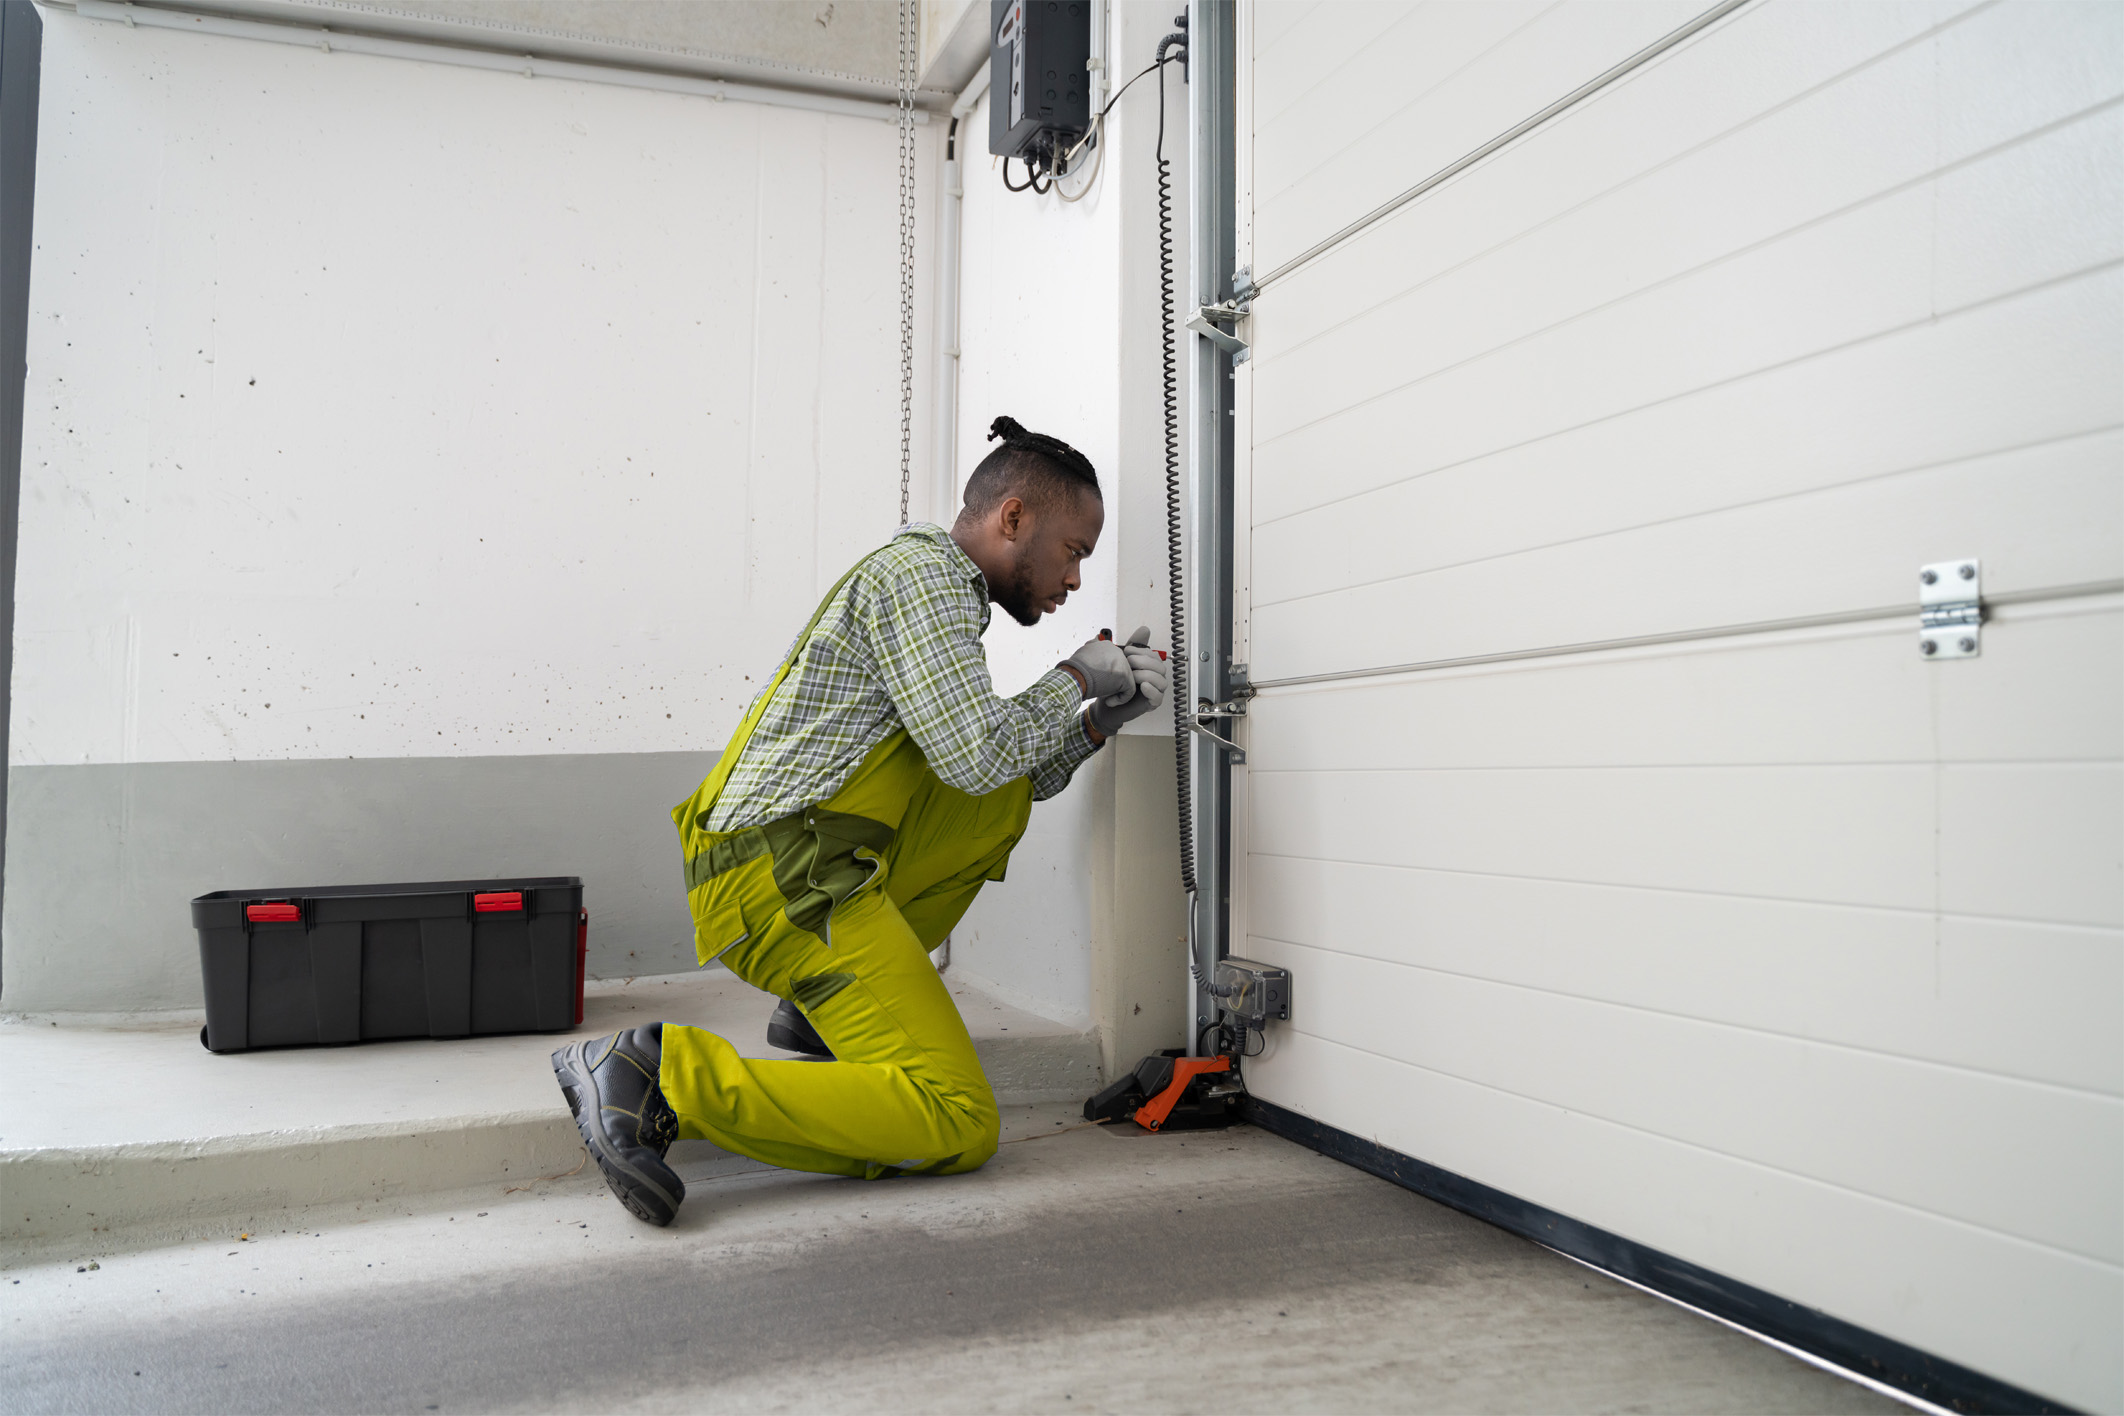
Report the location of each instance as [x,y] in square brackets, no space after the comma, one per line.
[221,726]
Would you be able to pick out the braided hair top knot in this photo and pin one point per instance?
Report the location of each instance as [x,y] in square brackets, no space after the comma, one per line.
[1041,470]
[1016,437]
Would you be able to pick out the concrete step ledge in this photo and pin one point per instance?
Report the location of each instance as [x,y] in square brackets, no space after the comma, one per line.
[155,1192]
[128,1134]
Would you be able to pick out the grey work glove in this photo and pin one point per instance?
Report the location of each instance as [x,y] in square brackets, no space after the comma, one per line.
[1105,669]
[1147,669]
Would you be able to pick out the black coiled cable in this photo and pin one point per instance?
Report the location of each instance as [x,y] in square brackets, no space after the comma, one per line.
[1183,742]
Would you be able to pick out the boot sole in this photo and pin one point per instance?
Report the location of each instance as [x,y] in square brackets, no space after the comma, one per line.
[645,1198]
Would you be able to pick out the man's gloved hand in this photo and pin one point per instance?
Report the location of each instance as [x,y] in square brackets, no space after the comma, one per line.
[1104,669]
[1147,670]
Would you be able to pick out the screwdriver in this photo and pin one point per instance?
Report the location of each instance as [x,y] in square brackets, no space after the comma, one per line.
[1109,634]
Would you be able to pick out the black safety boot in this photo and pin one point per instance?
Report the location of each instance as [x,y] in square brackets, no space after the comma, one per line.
[612,1087]
[791,1031]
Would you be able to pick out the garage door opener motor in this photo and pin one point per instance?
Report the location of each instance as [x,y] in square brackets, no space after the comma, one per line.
[1173,1092]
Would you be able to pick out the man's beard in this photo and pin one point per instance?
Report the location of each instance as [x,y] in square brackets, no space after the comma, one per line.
[1016,597]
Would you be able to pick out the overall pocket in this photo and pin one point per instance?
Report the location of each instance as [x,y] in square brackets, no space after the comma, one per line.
[731,891]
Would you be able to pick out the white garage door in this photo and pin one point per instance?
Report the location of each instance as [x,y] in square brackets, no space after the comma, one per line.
[1628,855]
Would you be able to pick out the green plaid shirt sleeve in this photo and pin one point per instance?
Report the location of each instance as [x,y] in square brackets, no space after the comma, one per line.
[924,630]
[901,646]
[1054,771]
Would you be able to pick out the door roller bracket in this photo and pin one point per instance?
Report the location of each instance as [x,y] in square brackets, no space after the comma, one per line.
[1951,610]
[1200,323]
[1208,712]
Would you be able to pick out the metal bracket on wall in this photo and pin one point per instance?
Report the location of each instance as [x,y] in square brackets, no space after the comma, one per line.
[1950,610]
[1203,715]
[1199,322]
[1207,712]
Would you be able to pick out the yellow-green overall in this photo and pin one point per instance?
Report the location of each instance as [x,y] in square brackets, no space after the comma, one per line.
[836,908]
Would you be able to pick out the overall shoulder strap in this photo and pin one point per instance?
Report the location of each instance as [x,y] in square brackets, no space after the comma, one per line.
[696,808]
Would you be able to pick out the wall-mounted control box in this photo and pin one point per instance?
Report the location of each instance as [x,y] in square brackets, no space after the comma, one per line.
[1039,90]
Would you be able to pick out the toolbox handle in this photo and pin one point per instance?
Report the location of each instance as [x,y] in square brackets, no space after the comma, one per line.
[282,913]
[498,901]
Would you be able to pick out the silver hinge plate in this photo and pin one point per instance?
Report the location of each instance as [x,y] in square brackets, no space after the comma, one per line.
[1950,609]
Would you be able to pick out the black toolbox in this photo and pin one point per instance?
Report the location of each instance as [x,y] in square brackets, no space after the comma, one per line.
[356,963]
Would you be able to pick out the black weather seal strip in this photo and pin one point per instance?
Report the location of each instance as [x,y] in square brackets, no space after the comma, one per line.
[1833,1340]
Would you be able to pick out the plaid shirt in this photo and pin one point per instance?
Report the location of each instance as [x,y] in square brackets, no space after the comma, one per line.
[900,645]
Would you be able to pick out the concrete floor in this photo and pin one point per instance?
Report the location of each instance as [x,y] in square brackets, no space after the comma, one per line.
[136,1133]
[1081,1271]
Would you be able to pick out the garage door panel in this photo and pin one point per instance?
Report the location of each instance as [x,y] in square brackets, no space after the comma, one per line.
[1274,20]
[1859,835]
[1404,70]
[1772,945]
[1845,835]
[2046,1319]
[1796,299]
[2036,210]
[2056,690]
[1558,386]
[2039,209]
[2033,840]
[2019,1000]
[2014,67]
[1756,129]
[2051,515]
[1728,116]
[2033,1161]
[1295,61]
[1407,109]
[1921,398]
[2050,686]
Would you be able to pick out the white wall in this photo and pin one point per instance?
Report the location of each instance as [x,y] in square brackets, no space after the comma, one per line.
[1060,329]
[454,414]
[381,408]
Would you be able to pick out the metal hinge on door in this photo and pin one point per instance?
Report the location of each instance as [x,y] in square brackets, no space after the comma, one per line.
[1951,610]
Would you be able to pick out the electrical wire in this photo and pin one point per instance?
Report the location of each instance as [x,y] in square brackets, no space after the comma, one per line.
[1091,176]
[1052,166]
[1175,552]
[1098,122]
[1028,186]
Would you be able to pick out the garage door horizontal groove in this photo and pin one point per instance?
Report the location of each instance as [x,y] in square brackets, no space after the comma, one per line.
[1509,136]
[1684,636]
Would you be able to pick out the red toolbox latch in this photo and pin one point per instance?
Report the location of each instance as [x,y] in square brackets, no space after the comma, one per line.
[273,914]
[498,901]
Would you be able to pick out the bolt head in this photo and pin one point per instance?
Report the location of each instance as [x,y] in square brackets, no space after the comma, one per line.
[1928,576]
[1968,645]
[1967,572]
[1926,646]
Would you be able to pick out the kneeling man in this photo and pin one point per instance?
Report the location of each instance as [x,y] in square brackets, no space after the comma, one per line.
[873,787]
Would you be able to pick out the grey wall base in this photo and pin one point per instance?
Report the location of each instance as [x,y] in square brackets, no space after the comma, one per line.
[103,860]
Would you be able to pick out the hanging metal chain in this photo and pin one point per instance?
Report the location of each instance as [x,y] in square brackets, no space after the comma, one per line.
[910,46]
